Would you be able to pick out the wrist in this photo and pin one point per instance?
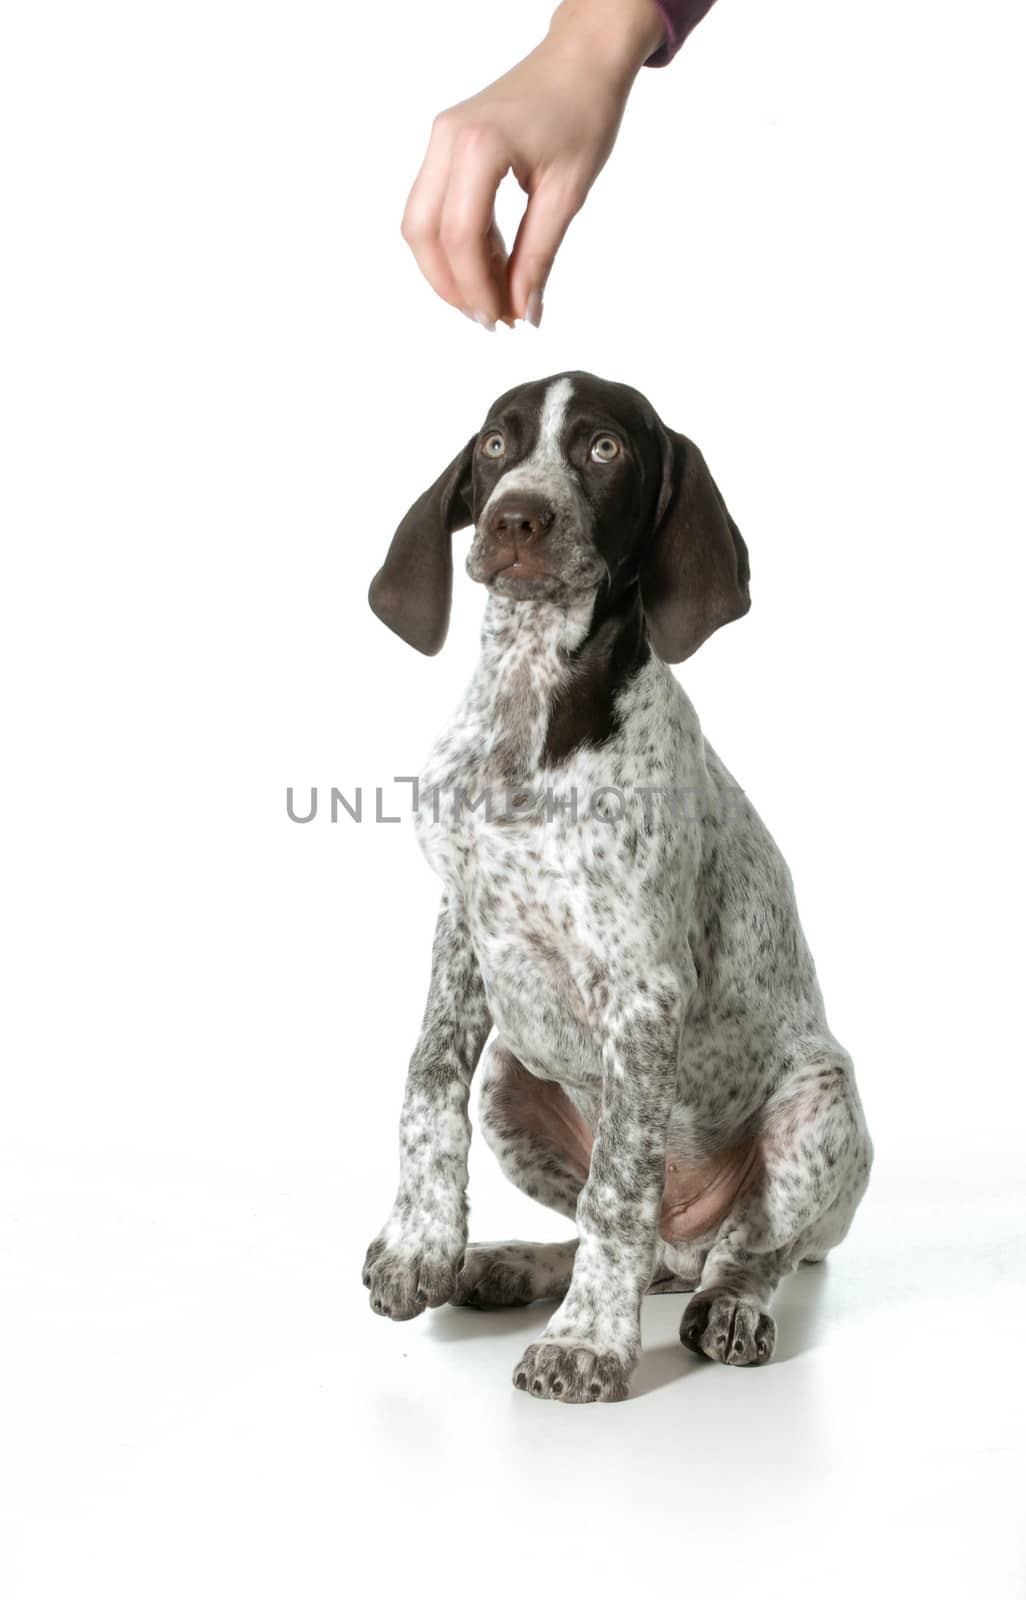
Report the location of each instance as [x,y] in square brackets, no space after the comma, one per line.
[614,37]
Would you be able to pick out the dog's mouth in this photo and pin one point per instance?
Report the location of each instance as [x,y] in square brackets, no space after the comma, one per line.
[522,570]
[519,575]
[510,562]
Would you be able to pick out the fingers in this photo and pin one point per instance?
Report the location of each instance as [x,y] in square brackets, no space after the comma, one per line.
[449,220]
[422,218]
[449,224]
[499,267]
[469,238]
[550,210]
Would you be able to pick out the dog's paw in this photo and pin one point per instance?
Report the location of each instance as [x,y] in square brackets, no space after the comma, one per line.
[727,1329]
[404,1281]
[493,1276]
[576,1373]
[514,1274]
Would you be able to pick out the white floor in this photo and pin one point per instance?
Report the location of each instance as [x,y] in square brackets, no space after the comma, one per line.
[198,1402]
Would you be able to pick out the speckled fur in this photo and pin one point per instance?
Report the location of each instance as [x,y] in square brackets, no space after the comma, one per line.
[655,1011]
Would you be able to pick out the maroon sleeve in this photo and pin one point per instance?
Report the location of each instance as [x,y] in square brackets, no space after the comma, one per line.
[679,17]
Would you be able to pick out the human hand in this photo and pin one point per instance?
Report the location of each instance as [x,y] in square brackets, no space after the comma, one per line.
[553,121]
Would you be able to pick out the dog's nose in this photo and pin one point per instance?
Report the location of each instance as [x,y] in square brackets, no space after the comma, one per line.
[521,518]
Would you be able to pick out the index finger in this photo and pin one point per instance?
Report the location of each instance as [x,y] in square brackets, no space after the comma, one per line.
[550,210]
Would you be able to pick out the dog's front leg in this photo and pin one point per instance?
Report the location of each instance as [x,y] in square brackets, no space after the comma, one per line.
[591,1345]
[415,1259]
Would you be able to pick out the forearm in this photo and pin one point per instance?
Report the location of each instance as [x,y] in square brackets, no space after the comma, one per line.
[612,37]
[434,1128]
[622,36]
[618,1209]
[591,1343]
[414,1261]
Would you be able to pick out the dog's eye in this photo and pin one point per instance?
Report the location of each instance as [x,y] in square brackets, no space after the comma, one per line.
[605,448]
[493,445]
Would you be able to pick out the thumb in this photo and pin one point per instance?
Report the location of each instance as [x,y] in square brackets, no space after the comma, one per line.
[550,210]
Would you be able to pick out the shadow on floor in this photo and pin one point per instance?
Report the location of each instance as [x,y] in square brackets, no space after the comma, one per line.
[798,1308]
[450,1324]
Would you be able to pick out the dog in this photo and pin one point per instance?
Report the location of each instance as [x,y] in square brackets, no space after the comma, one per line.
[614,913]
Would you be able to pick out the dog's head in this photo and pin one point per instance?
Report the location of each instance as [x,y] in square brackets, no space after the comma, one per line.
[574,487]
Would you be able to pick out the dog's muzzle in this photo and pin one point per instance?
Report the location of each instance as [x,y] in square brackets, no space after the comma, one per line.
[516,530]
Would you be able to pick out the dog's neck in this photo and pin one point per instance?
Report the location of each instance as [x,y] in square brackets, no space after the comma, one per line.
[549,675]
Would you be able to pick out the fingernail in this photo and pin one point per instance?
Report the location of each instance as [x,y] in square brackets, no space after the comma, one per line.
[533,314]
[485,320]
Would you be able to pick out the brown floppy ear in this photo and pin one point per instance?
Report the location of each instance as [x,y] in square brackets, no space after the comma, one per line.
[412,593]
[694,575]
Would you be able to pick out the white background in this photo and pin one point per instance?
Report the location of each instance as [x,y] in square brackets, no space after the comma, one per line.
[223,383]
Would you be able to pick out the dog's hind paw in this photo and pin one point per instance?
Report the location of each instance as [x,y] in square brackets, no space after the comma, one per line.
[575,1373]
[728,1329]
[513,1274]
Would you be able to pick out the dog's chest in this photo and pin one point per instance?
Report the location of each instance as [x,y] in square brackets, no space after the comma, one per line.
[560,877]
[538,891]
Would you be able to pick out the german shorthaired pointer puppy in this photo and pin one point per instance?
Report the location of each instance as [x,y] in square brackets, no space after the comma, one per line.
[661,1068]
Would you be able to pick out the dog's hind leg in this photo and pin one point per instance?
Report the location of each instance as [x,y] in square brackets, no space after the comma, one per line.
[544,1147]
[514,1273]
[814,1161]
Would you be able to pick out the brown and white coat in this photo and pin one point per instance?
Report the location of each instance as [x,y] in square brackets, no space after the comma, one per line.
[614,914]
